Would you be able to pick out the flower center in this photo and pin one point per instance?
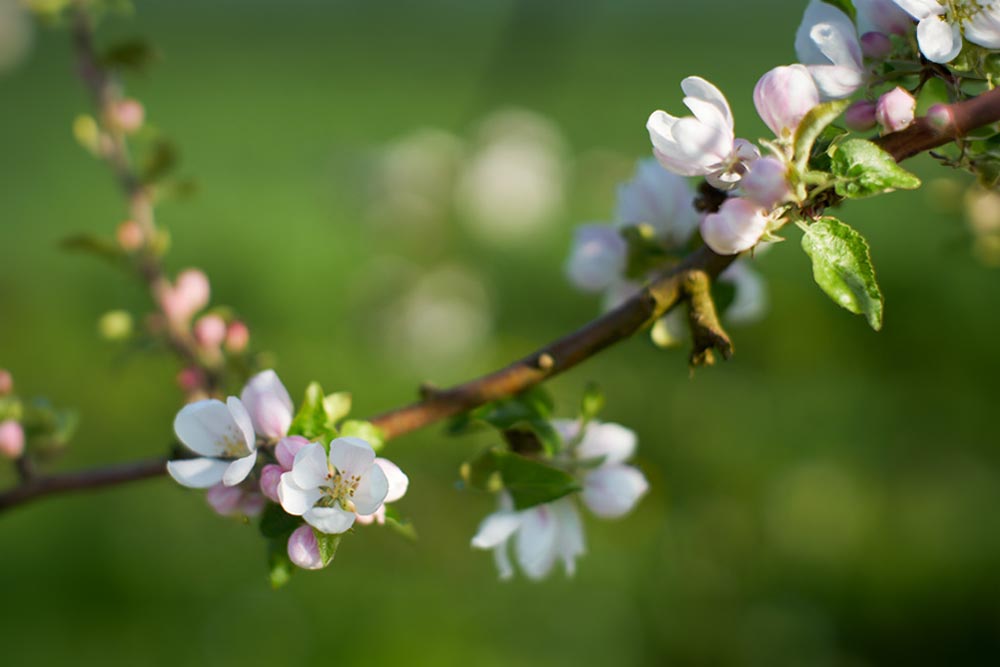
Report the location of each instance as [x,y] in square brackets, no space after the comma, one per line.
[340,490]
[233,444]
[961,11]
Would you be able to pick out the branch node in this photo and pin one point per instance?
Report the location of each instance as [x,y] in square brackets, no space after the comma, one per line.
[545,361]
[706,331]
[427,390]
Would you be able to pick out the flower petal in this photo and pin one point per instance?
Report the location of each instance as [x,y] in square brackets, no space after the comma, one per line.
[197,473]
[535,542]
[697,87]
[269,405]
[612,491]
[371,491]
[351,456]
[330,520]
[294,499]
[835,82]
[570,542]
[984,27]
[242,419]
[920,9]
[398,481]
[309,469]
[239,469]
[568,429]
[205,427]
[496,529]
[939,41]
[502,560]
[612,441]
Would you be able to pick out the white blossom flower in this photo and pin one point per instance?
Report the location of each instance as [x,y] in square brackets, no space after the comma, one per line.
[223,434]
[398,484]
[269,405]
[942,24]
[736,226]
[827,43]
[661,199]
[597,257]
[330,491]
[703,144]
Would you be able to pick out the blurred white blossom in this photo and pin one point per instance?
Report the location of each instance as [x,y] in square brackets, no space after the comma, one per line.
[17,34]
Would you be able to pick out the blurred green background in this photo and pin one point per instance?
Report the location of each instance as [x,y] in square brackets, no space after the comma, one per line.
[828,497]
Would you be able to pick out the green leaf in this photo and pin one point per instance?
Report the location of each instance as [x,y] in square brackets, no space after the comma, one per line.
[134,54]
[98,246]
[592,402]
[312,420]
[367,431]
[403,526]
[280,566]
[811,127]
[845,6]
[328,545]
[865,170]
[525,407]
[11,408]
[820,158]
[275,523]
[842,267]
[481,473]
[532,482]
[162,158]
[337,406]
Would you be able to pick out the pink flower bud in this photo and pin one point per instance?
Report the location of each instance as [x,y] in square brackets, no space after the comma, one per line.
[860,116]
[767,182]
[189,294]
[11,439]
[736,227]
[210,331]
[6,382]
[225,500]
[128,115]
[895,110]
[941,117]
[303,549]
[252,504]
[190,379]
[783,96]
[237,337]
[130,236]
[875,45]
[287,449]
[270,476]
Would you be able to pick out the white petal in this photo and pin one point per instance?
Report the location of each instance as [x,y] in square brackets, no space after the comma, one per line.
[239,469]
[398,481]
[197,473]
[920,9]
[940,42]
[695,86]
[750,299]
[351,456]
[709,114]
[839,43]
[294,499]
[502,560]
[242,419]
[612,491]
[496,529]
[984,28]
[309,468]
[371,491]
[567,429]
[570,541]
[835,82]
[205,426]
[701,144]
[269,405]
[612,441]
[836,25]
[330,520]
[535,542]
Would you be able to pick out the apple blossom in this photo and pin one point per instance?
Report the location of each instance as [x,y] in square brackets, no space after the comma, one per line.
[767,182]
[210,331]
[180,301]
[11,439]
[942,25]
[329,491]
[286,450]
[303,550]
[736,226]
[860,116]
[783,96]
[190,379]
[270,477]
[6,382]
[883,16]
[269,405]
[827,43]
[223,434]
[128,115]
[895,110]
[398,484]
[237,337]
[659,198]
[597,257]
[703,144]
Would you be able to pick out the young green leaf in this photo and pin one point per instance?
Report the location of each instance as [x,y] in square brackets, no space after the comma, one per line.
[845,6]
[592,402]
[811,127]
[398,523]
[367,431]
[328,545]
[842,267]
[864,170]
[532,482]
[337,406]
[280,566]
[312,420]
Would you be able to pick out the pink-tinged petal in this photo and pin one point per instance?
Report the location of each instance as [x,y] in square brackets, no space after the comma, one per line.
[735,227]
[378,516]
[535,542]
[614,442]
[661,127]
[287,448]
[612,491]
[205,427]
[309,468]
[840,46]
[197,473]
[697,87]
[270,477]
[269,405]
[371,491]
[239,469]
[303,549]
[701,144]
[659,198]
[570,542]
[242,419]
[330,520]
[351,456]
[294,499]
[921,9]
[597,257]
[496,529]
[252,504]
[225,500]
[502,560]
[883,16]
[398,481]
[827,36]
[939,41]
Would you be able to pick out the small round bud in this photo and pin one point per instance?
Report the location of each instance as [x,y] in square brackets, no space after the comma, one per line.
[270,476]
[737,226]
[287,449]
[941,117]
[303,549]
[128,115]
[875,45]
[210,331]
[895,110]
[225,500]
[115,325]
[189,294]
[11,439]
[130,236]
[767,182]
[6,382]
[784,96]
[190,379]
[252,504]
[860,116]
[237,337]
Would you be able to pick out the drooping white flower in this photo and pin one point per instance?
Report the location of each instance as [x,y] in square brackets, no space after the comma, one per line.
[597,257]
[783,96]
[542,536]
[942,25]
[223,435]
[703,144]
[269,405]
[827,43]
[398,484]
[661,199]
[736,226]
[330,491]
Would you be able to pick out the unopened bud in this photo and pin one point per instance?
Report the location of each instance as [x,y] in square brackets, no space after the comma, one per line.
[784,96]
[115,325]
[860,116]
[303,549]
[940,116]
[270,477]
[767,182]
[210,331]
[875,45]
[287,449]
[189,294]
[130,236]
[190,379]
[11,439]
[6,382]
[895,110]
[237,337]
[252,504]
[737,226]
[128,115]
[225,500]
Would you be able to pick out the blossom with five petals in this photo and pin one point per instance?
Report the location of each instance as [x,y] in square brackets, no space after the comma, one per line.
[942,25]
[223,434]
